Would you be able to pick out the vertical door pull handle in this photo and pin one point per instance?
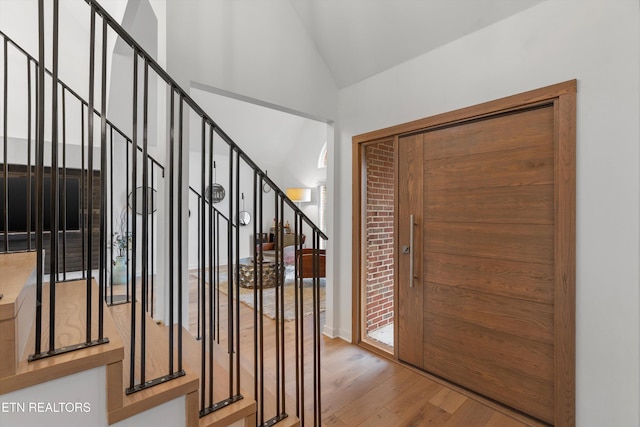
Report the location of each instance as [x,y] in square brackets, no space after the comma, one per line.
[411,224]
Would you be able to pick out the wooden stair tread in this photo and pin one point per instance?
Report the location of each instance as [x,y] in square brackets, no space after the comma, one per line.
[192,353]
[290,421]
[230,414]
[67,326]
[247,366]
[16,270]
[157,365]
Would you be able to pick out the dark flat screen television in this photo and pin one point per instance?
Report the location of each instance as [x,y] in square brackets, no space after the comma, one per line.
[18,196]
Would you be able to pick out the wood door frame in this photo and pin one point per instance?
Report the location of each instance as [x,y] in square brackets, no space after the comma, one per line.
[359,250]
[563,98]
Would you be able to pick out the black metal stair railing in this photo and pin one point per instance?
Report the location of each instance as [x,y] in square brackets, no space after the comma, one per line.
[272,340]
[272,355]
[34,175]
[94,189]
[84,241]
[150,229]
[23,239]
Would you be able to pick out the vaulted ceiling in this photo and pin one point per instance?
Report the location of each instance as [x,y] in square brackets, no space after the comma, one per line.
[360,38]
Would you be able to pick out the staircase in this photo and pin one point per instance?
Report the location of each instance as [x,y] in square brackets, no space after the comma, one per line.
[97,291]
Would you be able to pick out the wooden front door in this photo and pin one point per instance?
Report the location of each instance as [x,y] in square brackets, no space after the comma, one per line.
[476,232]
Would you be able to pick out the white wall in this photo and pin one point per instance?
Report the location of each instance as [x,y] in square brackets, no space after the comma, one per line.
[597,42]
[252,48]
[222,173]
[285,145]
[299,165]
[19,21]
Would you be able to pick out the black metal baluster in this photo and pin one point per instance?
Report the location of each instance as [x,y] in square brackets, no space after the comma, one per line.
[233,278]
[297,273]
[171,230]
[203,264]
[113,231]
[280,269]
[215,286]
[84,194]
[316,319]
[257,253]
[103,184]
[314,300]
[63,205]
[214,303]
[127,175]
[237,302]
[301,330]
[5,166]
[200,273]
[153,252]
[216,290]
[212,168]
[145,220]
[90,152]
[279,249]
[39,179]
[36,147]
[180,219]
[257,298]
[53,219]
[29,171]
[134,223]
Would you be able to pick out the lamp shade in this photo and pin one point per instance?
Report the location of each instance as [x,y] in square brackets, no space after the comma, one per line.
[299,194]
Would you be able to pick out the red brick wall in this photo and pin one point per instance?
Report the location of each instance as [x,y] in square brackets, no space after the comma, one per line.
[379,219]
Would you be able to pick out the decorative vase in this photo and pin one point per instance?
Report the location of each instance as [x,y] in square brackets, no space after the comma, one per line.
[119,275]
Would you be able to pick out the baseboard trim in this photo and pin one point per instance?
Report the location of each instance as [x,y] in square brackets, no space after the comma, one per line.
[330,332]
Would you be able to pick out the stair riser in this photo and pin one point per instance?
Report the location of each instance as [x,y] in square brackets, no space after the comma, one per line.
[85,388]
[15,328]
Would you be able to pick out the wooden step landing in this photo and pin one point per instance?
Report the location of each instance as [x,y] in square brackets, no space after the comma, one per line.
[69,324]
[121,406]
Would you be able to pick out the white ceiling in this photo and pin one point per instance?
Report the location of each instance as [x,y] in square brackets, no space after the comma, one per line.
[361,38]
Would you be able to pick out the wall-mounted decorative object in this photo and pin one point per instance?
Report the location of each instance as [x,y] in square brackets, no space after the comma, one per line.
[152,200]
[215,193]
[244,217]
[266,187]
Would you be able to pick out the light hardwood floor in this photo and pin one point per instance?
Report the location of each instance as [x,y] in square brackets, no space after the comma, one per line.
[360,388]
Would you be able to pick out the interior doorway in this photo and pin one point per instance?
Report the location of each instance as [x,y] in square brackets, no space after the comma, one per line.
[379,268]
